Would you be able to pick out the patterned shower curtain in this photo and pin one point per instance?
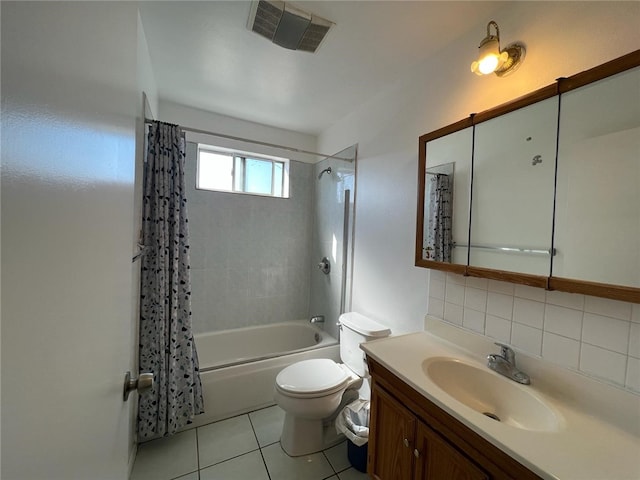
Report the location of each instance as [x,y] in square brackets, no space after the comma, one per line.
[166,341]
[439,240]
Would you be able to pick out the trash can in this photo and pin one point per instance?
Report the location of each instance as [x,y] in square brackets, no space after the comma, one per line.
[353,422]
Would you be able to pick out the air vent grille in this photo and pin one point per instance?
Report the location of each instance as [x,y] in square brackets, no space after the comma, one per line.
[266,19]
[313,37]
[288,26]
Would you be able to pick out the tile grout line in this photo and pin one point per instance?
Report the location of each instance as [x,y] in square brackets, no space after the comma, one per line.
[198,451]
[628,356]
[230,458]
[264,462]
[324,454]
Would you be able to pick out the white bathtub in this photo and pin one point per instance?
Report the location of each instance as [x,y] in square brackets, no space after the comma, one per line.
[238,367]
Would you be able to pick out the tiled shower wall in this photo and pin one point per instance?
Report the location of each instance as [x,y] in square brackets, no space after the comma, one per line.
[250,255]
[596,336]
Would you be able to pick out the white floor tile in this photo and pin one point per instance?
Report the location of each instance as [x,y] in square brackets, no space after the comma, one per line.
[190,476]
[244,467]
[267,424]
[352,474]
[229,451]
[225,439]
[166,458]
[307,467]
[337,457]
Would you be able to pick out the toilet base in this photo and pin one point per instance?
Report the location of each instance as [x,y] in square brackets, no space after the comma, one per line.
[304,437]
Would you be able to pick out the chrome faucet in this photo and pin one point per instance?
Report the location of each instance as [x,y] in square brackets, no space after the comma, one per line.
[317,319]
[505,364]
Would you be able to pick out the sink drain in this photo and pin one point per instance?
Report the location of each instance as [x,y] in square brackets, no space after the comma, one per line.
[491,415]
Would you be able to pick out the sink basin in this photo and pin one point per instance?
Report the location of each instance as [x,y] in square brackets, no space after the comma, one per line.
[490,394]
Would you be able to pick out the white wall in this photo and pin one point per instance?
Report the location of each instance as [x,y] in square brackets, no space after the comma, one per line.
[562,38]
[214,122]
[146,78]
[69,102]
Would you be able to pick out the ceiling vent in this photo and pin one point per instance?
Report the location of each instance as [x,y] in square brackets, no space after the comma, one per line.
[287,26]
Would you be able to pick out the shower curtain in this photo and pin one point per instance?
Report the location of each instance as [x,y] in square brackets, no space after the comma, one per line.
[438,241]
[166,340]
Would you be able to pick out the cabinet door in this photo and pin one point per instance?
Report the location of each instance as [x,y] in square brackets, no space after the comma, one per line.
[513,188]
[436,459]
[392,433]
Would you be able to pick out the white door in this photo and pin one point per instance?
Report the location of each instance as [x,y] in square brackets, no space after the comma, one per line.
[68,146]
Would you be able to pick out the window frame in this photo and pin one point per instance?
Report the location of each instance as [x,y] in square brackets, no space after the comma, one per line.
[239,171]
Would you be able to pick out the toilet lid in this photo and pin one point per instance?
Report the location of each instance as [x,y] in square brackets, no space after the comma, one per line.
[316,376]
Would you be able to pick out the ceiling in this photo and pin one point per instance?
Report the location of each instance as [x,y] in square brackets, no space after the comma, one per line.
[203,56]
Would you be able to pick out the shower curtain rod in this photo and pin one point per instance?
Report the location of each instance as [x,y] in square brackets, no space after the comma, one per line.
[255,142]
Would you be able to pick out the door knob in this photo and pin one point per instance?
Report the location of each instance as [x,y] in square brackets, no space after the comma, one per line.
[143,383]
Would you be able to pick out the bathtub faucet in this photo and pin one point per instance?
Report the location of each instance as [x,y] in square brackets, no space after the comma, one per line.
[317,319]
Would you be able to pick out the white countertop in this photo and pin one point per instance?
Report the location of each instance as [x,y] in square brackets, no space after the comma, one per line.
[599,435]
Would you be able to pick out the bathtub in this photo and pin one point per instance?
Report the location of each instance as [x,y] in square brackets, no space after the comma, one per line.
[238,367]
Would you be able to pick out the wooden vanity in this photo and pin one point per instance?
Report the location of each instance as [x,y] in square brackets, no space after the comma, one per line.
[412,438]
[430,425]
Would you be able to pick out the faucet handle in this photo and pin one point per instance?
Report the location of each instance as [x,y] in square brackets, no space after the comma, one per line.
[506,352]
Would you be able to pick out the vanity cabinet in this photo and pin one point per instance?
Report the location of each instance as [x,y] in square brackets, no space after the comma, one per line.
[409,449]
[411,438]
[436,458]
[392,433]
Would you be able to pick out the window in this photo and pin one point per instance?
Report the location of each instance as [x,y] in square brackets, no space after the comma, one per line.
[226,170]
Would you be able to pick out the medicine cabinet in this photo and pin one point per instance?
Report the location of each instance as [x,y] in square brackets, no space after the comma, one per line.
[541,191]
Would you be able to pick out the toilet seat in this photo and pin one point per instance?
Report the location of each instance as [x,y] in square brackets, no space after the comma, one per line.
[312,378]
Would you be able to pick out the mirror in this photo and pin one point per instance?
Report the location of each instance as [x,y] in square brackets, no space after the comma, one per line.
[513,181]
[597,235]
[438,204]
[550,205]
[446,199]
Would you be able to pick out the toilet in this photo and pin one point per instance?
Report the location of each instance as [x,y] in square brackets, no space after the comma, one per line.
[313,392]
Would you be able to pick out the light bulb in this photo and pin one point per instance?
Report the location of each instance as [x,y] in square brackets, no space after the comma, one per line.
[488,64]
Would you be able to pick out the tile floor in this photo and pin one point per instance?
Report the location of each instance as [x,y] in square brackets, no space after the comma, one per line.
[245,447]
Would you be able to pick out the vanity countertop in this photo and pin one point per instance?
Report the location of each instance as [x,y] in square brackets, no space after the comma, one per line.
[598,437]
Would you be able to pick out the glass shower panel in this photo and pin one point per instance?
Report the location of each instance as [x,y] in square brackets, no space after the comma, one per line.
[334,195]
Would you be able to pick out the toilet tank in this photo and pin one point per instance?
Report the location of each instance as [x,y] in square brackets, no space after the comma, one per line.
[356,329]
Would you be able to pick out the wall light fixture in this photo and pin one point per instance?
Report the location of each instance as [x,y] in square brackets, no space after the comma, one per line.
[493,60]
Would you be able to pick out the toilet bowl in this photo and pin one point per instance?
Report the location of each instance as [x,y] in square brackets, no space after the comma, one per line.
[312,392]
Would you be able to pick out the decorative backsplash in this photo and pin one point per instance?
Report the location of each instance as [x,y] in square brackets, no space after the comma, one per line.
[596,336]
